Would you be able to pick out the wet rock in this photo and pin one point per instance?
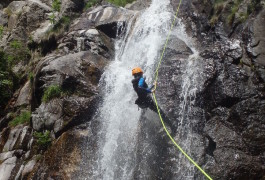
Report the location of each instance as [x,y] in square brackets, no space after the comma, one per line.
[234,50]
[138,5]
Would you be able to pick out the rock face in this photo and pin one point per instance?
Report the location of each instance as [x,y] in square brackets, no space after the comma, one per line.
[217,84]
[229,92]
[75,67]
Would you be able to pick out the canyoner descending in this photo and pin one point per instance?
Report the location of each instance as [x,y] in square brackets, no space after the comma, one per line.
[127,146]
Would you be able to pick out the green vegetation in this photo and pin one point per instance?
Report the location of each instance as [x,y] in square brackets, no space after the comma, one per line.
[18,52]
[222,7]
[1,31]
[91,3]
[233,11]
[52,18]
[31,77]
[7,80]
[59,27]
[43,139]
[8,11]
[23,118]
[53,91]
[56,5]
[120,2]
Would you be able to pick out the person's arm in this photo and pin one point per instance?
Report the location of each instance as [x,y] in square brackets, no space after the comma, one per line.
[141,86]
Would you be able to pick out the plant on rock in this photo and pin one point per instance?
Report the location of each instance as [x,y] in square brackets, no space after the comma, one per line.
[91,3]
[43,139]
[56,7]
[1,31]
[23,118]
[53,91]
[18,52]
[120,2]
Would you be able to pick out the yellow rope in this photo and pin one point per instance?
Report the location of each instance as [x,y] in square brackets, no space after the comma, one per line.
[156,77]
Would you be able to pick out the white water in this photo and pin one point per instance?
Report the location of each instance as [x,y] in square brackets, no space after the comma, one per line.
[119,116]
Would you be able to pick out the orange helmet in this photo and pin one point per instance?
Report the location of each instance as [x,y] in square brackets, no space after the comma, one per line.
[137,70]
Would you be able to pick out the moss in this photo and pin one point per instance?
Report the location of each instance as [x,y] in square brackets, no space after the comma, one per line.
[23,118]
[51,92]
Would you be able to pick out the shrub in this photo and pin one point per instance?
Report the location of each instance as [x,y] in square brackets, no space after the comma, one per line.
[16,44]
[51,92]
[59,27]
[23,118]
[43,139]
[17,52]
[6,80]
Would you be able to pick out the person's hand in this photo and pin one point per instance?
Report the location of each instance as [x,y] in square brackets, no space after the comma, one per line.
[154,84]
[153,90]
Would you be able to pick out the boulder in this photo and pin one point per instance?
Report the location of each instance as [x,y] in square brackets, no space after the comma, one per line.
[27,169]
[109,19]
[62,159]
[13,138]
[77,73]
[24,95]
[6,168]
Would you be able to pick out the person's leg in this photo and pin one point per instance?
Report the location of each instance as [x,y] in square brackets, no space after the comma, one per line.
[152,106]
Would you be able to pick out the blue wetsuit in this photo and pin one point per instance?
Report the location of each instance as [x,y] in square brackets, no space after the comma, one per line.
[144,99]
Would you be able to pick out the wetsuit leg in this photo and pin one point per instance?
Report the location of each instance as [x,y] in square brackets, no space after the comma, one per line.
[152,106]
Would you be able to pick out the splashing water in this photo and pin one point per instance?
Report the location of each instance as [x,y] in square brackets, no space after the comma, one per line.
[120,116]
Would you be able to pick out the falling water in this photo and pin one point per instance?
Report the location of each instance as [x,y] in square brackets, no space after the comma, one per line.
[119,115]
[125,142]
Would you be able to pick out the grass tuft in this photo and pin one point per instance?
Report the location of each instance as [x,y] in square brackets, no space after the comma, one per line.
[23,118]
[53,91]
[43,139]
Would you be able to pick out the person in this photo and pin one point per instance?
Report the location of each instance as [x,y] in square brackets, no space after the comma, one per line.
[144,99]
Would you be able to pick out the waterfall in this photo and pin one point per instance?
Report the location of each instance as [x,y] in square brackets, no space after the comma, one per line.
[130,144]
[119,115]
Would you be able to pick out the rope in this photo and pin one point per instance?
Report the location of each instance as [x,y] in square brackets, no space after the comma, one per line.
[156,77]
